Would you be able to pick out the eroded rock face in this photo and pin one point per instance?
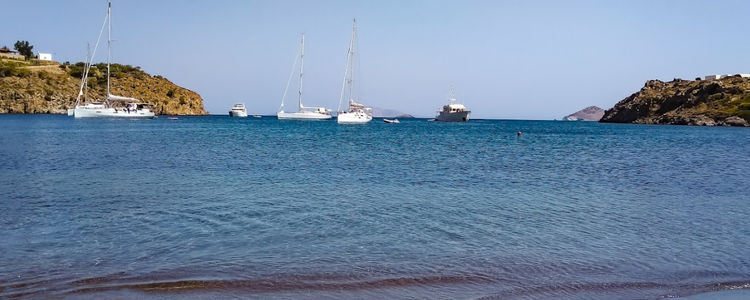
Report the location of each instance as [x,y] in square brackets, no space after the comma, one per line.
[724,102]
[591,113]
[736,121]
[53,90]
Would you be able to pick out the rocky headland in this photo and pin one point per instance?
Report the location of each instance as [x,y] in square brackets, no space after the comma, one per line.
[44,87]
[723,102]
[591,113]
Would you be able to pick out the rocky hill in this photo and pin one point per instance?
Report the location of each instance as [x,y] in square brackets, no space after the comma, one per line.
[39,87]
[591,113]
[724,102]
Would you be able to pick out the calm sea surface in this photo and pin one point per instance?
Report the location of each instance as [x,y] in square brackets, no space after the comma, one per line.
[213,207]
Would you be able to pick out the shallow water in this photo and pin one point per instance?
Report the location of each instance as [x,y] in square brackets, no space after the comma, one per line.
[213,207]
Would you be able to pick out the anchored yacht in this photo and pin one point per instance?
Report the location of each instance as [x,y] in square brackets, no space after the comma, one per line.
[453,112]
[112,106]
[303,112]
[356,113]
[238,111]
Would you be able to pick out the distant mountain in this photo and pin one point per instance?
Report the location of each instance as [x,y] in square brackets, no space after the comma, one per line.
[378,112]
[404,116]
[723,102]
[591,113]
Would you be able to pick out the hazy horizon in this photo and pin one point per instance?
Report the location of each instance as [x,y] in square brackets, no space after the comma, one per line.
[507,60]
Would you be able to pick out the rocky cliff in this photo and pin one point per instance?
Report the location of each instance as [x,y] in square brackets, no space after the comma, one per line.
[37,87]
[591,113]
[724,102]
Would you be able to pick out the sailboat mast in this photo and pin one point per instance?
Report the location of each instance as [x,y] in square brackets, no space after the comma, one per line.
[301,72]
[453,95]
[86,66]
[346,72]
[109,42]
[351,57]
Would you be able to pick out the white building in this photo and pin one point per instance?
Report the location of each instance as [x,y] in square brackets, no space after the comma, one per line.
[717,77]
[44,56]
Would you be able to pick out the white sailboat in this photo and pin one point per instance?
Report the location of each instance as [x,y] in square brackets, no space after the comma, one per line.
[303,112]
[356,113]
[112,106]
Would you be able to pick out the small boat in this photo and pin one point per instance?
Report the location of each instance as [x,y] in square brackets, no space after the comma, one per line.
[257,116]
[172,118]
[394,121]
[238,111]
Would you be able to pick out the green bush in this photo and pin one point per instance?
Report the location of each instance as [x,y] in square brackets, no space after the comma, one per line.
[8,69]
[745,114]
[716,96]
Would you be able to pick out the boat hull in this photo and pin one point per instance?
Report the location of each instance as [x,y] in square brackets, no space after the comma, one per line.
[81,112]
[237,114]
[461,116]
[353,118]
[303,115]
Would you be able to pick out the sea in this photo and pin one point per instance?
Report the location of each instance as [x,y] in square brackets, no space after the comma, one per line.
[215,207]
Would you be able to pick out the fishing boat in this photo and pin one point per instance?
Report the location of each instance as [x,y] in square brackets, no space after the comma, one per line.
[238,111]
[453,112]
[355,113]
[394,121]
[303,112]
[112,106]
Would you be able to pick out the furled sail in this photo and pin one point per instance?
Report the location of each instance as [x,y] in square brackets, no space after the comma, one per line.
[121,98]
[354,105]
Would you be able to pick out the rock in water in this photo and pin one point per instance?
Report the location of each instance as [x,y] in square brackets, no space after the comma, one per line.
[591,113]
[724,102]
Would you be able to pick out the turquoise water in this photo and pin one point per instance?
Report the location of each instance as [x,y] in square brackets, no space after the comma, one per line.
[213,207]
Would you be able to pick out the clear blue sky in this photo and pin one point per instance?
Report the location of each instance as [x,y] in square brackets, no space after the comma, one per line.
[507,59]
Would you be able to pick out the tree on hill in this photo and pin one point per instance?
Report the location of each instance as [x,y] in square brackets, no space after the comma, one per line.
[24,48]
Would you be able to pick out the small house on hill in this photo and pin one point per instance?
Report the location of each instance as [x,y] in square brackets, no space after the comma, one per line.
[8,53]
[5,49]
[717,77]
[44,56]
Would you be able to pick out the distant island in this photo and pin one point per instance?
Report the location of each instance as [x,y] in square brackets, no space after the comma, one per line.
[31,86]
[378,112]
[591,113]
[719,100]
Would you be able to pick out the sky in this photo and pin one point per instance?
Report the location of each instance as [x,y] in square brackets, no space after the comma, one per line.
[506,59]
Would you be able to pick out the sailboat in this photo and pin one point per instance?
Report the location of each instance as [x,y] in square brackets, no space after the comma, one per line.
[112,106]
[356,113]
[303,112]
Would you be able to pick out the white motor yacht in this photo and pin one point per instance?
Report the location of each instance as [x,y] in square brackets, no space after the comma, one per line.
[453,112]
[238,111]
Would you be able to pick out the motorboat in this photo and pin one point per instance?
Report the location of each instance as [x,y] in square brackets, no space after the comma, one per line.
[238,111]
